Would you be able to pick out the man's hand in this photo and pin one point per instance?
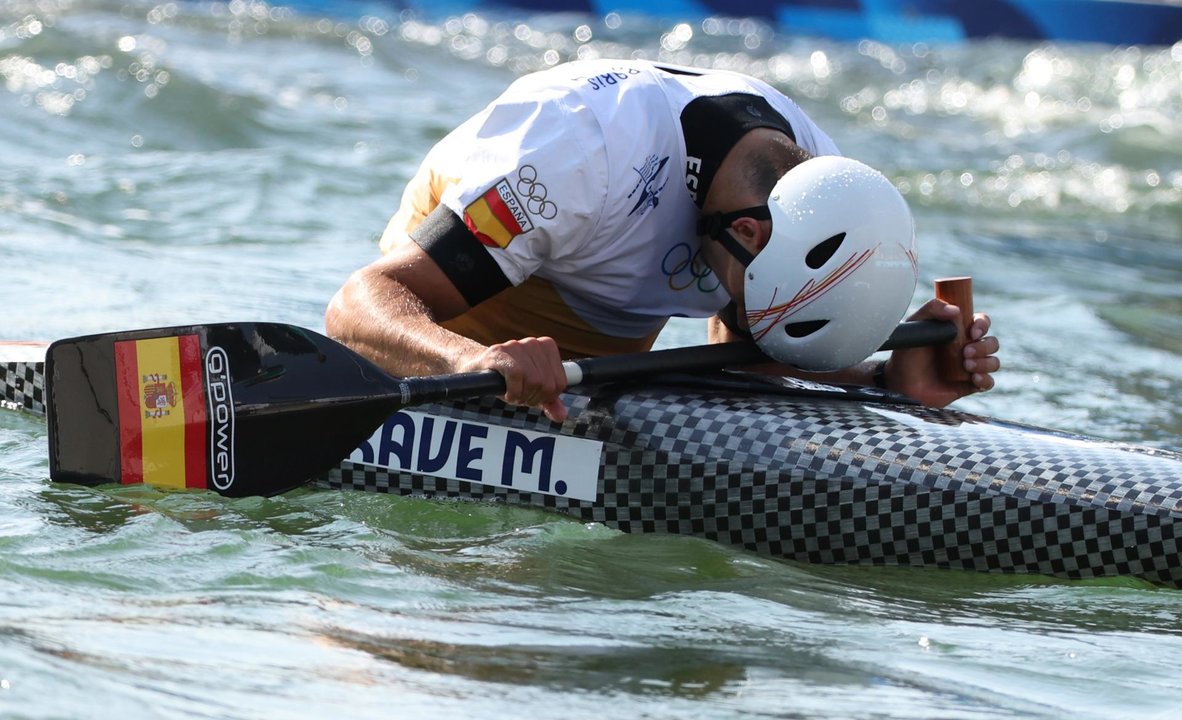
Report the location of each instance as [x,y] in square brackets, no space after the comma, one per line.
[913,371]
[533,373]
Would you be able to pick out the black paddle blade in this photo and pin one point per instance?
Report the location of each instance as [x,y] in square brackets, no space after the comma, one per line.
[239,408]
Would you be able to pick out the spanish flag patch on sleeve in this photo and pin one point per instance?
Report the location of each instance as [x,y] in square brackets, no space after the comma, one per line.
[162,416]
[497,216]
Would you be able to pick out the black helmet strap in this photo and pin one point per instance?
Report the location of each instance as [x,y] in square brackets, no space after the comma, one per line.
[716,225]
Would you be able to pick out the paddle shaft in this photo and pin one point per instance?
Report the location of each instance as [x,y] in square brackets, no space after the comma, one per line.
[617,367]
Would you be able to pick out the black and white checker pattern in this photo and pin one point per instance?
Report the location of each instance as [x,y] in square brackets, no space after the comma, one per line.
[22,385]
[833,481]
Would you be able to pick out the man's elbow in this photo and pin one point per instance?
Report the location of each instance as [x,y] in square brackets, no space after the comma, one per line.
[339,314]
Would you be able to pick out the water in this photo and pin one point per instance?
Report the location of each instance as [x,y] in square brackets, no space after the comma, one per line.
[205,162]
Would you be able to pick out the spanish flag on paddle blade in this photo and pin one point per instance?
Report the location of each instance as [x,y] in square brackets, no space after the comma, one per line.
[162,417]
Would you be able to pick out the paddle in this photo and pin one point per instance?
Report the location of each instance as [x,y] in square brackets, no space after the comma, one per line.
[257,408]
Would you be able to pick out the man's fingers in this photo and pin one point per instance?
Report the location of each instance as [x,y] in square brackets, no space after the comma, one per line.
[555,410]
[935,309]
[980,327]
[533,373]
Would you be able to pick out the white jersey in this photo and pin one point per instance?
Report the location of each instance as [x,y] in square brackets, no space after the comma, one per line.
[590,176]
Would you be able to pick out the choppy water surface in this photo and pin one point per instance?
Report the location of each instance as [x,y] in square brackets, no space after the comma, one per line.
[201,162]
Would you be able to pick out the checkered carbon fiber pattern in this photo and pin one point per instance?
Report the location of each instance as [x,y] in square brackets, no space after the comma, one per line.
[22,386]
[834,481]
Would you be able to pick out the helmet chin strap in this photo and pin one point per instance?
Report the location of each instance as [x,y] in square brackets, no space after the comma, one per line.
[715,226]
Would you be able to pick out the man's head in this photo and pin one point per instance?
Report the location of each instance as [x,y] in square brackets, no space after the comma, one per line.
[819,253]
[734,214]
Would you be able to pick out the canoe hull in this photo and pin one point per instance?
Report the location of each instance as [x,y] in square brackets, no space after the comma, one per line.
[22,376]
[816,474]
[833,480]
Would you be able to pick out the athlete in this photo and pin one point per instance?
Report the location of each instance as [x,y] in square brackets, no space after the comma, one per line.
[593,201]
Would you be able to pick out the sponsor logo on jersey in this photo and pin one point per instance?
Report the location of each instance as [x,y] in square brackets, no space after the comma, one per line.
[493,455]
[647,190]
[497,216]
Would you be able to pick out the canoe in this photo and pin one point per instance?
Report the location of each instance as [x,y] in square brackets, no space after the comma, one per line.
[814,473]
[22,376]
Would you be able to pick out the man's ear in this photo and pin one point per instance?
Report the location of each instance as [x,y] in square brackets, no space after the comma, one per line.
[754,234]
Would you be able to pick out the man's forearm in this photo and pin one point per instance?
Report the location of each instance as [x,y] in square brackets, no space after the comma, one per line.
[387,323]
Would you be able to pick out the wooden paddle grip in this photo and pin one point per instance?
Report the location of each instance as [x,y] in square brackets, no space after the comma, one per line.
[956,291]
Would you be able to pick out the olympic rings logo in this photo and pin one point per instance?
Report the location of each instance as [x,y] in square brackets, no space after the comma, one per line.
[535,193]
[684,268]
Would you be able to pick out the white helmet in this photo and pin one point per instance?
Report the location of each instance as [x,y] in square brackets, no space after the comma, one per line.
[839,270]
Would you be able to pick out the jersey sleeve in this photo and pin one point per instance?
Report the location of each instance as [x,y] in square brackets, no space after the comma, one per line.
[527,176]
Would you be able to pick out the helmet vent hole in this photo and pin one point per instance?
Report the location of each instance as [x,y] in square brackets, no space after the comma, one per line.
[804,329]
[822,251]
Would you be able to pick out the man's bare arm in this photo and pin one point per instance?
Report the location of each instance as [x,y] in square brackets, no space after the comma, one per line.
[390,310]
